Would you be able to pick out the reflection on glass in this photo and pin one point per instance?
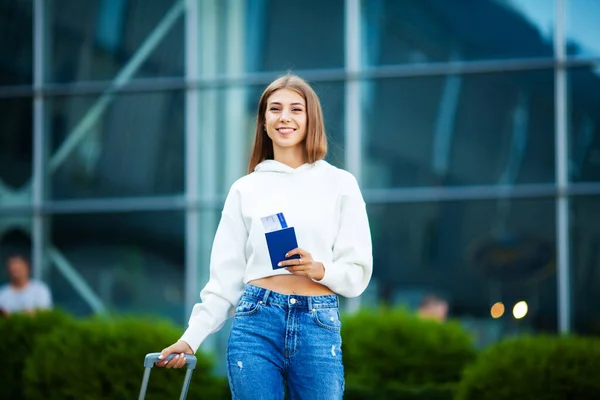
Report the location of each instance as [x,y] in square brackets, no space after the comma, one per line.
[133,147]
[583,36]
[278,39]
[16,146]
[95,40]
[584,124]
[131,263]
[332,97]
[460,130]
[16,42]
[14,240]
[474,253]
[585,259]
[420,31]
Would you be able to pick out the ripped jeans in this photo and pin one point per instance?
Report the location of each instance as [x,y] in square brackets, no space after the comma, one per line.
[282,343]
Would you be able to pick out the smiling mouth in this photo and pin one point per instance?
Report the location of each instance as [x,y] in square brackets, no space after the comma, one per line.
[286,131]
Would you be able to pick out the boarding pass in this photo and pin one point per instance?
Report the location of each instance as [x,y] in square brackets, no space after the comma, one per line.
[274,222]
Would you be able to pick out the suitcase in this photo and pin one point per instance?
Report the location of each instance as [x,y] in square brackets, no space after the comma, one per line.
[149,361]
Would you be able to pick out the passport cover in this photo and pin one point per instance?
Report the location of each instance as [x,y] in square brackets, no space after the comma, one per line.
[279,243]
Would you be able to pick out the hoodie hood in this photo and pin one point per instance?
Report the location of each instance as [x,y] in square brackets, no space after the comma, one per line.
[276,166]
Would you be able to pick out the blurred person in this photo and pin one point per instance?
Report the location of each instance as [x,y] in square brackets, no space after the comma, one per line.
[285,335]
[23,294]
[433,307]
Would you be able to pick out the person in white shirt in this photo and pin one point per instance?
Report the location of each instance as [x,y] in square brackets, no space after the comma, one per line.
[23,294]
[286,329]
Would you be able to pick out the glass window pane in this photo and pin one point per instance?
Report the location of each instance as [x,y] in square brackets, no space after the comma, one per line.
[585,259]
[268,35]
[278,38]
[584,124]
[132,263]
[419,31]
[333,101]
[473,253]
[16,142]
[96,39]
[460,130]
[133,146]
[16,42]
[583,36]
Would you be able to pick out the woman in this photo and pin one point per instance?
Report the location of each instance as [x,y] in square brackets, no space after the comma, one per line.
[286,328]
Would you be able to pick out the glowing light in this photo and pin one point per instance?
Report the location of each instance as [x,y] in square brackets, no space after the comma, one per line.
[497,310]
[520,310]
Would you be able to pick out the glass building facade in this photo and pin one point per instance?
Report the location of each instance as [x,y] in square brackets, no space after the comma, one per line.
[473,127]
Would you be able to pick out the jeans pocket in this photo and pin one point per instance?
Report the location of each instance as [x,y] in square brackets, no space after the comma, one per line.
[247,306]
[328,318]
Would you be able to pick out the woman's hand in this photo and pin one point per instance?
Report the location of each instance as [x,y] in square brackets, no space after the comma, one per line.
[304,266]
[181,348]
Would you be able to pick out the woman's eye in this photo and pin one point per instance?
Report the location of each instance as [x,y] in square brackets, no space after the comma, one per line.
[273,109]
[297,109]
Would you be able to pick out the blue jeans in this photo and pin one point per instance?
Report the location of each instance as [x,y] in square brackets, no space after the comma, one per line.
[282,342]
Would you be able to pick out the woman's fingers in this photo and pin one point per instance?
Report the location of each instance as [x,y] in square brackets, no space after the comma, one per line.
[294,270]
[178,360]
[163,357]
[305,258]
[182,361]
[292,262]
[173,362]
[314,270]
[298,251]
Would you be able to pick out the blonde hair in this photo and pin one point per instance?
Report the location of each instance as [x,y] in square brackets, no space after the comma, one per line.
[315,143]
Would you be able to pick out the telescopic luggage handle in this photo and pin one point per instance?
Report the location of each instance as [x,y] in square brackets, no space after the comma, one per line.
[151,358]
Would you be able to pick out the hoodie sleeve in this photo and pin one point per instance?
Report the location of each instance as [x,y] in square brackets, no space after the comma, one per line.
[227,267]
[350,271]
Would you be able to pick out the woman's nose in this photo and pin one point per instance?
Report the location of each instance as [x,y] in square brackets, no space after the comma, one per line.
[285,115]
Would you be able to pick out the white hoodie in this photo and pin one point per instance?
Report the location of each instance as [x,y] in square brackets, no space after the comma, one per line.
[323,204]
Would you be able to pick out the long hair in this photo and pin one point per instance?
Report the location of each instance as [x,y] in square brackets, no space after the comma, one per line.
[315,142]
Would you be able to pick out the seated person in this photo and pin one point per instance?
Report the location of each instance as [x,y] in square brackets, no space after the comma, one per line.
[23,294]
[433,307]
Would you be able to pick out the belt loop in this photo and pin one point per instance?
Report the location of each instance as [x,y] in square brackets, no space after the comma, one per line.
[310,303]
[266,296]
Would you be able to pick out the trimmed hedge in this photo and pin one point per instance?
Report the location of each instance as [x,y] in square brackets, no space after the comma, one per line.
[394,351]
[18,335]
[540,368]
[399,392]
[388,354]
[103,359]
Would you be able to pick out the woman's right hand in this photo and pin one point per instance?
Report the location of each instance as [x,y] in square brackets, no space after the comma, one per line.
[180,348]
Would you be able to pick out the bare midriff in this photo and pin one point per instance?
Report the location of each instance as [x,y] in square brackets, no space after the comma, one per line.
[292,284]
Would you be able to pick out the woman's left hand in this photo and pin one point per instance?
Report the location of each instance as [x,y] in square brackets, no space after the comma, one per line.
[305,265]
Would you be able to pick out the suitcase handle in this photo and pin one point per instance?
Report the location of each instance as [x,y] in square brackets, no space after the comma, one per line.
[151,358]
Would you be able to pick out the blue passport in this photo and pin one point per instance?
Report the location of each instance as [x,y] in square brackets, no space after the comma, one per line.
[279,242]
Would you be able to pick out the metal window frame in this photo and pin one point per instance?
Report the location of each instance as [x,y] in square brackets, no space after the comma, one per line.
[352,74]
[314,75]
[562,172]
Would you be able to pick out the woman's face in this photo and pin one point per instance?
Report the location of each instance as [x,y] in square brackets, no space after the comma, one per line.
[285,120]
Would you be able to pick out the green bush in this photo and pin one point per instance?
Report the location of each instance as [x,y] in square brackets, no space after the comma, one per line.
[100,359]
[399,392]
[540,368]
[396,351]
[18,335]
